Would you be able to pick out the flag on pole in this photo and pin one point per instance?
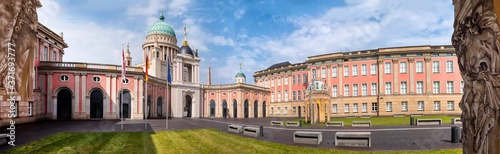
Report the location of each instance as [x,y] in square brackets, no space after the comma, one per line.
[123,65]
[169,77]
[147,67]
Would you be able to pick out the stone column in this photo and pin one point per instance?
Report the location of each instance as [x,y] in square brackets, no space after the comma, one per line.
[106,102]
[84,92]
[76,104]
[340,75]
[428,72]
[395,72]
[140,99]
[49,96]
[380,69]
[411,72]
[476,44]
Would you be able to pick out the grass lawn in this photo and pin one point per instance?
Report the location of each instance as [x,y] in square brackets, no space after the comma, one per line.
[386,121]
[182,141]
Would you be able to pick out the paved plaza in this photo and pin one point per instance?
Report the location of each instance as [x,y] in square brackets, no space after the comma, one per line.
[383,138]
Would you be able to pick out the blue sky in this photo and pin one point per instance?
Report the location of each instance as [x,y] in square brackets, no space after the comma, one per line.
[256,33]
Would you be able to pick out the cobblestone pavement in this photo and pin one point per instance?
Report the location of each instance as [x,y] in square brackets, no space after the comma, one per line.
[383,138]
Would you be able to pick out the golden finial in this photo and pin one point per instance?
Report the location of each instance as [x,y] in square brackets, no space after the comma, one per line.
[240,66]
[185,43]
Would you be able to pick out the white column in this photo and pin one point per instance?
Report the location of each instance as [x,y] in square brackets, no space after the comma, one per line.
[49,96]
[135,95]
[84,91]
[76,103]
[113,96]
[107,99]
[140,98]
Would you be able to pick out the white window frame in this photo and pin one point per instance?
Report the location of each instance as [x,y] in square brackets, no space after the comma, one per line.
[272,110]
[285,112]
[279,81]
[373,69]
[402,67]
[364,107]
[313,73]
[451,106]
[45,53]
[450,87]
[346,90]
[286,95]
[355,108]
[346,71]
[334,71]
[420,87]
[404,88]
[388,106]
[323,73]
[334,91]
[374,89]
[388,88]
[272,96]
[346,108]
[279,96]
[298,95]
[387,68]
[437,105]
[286,80]
[420,67]
[30,108]
[279,111]
[449,66]
[355,90]
[421,105]
[54,55]
[272,82]
[293,80]
[435,66]
[364,89]
[374,107]
[294,95]
[334,108]
[436,87]
[363,69]
[404,106]
[462,87]
[355,70]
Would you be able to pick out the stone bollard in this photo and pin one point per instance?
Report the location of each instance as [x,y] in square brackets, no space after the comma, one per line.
[300,123]
[455,134]
[261,130]
[412,121]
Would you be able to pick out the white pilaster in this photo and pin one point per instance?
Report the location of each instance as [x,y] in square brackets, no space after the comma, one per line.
[112,96]
[107,99]
[84,91]
[76,103]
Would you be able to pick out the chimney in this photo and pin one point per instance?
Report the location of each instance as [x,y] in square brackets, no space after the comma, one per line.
[209,82]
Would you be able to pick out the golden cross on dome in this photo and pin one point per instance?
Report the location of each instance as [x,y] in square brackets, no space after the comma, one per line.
[240,65]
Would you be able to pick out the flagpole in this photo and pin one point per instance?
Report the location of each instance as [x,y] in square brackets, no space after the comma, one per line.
[168,91]
[121,99]
[146,108]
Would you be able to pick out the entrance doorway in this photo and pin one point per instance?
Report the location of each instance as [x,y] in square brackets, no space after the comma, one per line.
[64,104]
[188,107]
[96,104]
[245,107]
[255,109]
[264,109]
[159,107]
[212,108]
[300,112]
[235,109]
[224,108]
[125,104]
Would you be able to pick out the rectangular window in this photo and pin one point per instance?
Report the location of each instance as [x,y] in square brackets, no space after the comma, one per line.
[363,69]
[334,91]
[272,82]
[451,105]
[45,53]
[346,108]
[355,70]
[334,109]
[420,66]
[286,95]
[298,95]
[404,106]
[304,77]
[364,89]
[286,111]
[355,108]
[323,73]
[355,90]
[449,66]
[272,96]
[420,105]
[388,88]
[435,88]
[364,107]
[420,87]
[313,73]
[437,105]
[374,88]
[294,95]
[54,55]
[279,110]
[294,110]
[279,81]
[346,71]
[373,69]
[462,87]
[449,87]
[404,88]
[387,68]
[346,90]
[30,108]
[402,67]
[272,110]
[435,67]
[334,71]
[286,80]
[298,79]
[388,106]
[374,107]
[293,79]
[279,96]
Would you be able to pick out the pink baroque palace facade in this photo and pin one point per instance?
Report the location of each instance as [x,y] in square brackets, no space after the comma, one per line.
[79,91]
[407,80]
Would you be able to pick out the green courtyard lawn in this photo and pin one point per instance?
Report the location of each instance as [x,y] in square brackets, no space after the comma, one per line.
[181,141]
[387,121]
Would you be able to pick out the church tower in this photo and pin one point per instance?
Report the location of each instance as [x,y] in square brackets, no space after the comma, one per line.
[128,58]
[240,76]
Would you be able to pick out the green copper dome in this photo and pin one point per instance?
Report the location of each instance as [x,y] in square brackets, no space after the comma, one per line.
[240,74]
[161,27]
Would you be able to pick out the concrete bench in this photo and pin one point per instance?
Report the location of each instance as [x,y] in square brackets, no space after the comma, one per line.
[457,121]
[4,139]
[277,123]
[293,123]
[361,123]
[429,121]
[335,123]
[358,139]
[399,115]
[416,115]
[350,116]
[251,131]
[307,137]
[235,128]
[365,116]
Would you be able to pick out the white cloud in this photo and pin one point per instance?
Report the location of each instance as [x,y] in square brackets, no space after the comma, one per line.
[238,14]
[178,7]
